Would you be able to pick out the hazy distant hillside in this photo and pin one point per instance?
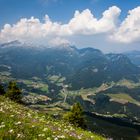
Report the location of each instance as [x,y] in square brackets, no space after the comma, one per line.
[134,56]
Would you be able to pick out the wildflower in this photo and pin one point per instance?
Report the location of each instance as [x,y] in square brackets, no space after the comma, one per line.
[1,126]
[66,130]
[41,135]
[17,123]
[45,129]
[79,137]
[11,131]
[71,128]
[29,115]
[2,122]
[11,116]
[1,110]
[62,136]
[19,135]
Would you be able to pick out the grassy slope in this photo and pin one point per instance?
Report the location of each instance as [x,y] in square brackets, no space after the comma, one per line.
[19,122]
[124,97]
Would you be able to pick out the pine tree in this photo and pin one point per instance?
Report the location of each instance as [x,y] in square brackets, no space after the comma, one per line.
[75,116]
[2,92]
[13,92]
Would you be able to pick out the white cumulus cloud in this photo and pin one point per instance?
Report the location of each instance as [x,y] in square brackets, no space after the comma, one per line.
[85,23]
[129,30]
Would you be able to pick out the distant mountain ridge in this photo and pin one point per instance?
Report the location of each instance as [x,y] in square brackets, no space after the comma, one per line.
[134,56]
[82,68]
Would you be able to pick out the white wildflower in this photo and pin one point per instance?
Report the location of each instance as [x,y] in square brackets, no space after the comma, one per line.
[11,116]
[41,135]
[1,110]
[11,131]
[61,136]
[2,122]
[79,137]
[2,126]
[19,135]
[17,123]
[45,129]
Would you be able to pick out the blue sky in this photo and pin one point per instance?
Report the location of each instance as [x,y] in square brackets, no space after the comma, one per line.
[12,11]
[59,10]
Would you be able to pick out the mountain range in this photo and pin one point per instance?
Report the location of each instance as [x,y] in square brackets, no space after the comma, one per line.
[81,68]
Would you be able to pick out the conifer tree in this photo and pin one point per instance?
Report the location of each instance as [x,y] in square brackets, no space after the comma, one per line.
[2,91]
[75,116]
[13,92]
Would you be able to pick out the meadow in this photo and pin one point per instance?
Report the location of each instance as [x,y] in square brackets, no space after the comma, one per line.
[18,122]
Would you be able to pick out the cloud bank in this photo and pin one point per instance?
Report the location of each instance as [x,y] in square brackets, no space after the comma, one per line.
[82,24]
